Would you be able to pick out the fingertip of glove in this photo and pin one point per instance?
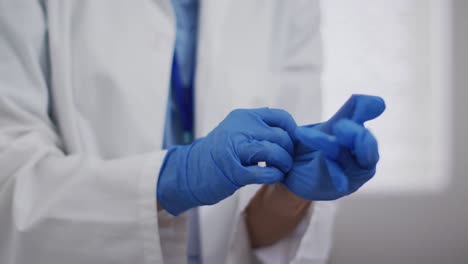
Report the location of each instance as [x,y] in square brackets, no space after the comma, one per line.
[368,107]
[367,152]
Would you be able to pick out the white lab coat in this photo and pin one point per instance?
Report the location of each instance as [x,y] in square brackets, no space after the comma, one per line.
[83,93]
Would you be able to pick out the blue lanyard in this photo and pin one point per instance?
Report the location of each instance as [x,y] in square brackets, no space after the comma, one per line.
[183,96]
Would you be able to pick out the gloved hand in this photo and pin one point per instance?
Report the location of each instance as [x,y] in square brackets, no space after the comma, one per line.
[212,168]
[335,158]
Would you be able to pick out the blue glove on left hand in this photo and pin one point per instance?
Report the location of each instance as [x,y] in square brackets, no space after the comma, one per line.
[214,167]
[336,158]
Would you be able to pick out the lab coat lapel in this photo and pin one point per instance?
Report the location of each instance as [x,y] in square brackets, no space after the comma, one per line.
[211,105]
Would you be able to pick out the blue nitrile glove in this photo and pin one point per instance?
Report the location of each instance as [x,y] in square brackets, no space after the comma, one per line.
[214,167]
[335,158]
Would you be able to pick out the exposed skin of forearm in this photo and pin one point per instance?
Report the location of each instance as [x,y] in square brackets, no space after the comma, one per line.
[272,214]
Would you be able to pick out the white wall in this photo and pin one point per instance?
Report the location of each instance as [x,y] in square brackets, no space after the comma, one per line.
[416,228]
[399,50]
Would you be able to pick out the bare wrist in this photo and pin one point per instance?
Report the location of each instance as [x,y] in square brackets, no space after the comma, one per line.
[282,202]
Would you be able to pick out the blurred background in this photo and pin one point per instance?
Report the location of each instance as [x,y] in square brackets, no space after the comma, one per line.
[414,54]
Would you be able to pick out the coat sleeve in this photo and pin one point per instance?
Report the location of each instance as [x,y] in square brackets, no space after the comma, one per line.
[300,94]
[56,207]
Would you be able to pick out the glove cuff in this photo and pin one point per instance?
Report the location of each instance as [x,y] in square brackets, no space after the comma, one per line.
[173,191]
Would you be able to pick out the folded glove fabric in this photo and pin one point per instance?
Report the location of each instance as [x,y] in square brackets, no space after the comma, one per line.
[214,167]
[335,158]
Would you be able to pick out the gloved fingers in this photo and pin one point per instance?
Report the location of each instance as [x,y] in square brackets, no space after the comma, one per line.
[277,118]
[318,140]
[356,174]
[367,150]
[275,135]
[367,108]
[310,126]
[337,177]
[359,108]
[252,152]
[358,180]
[260,175]
[359,140]
[346,132]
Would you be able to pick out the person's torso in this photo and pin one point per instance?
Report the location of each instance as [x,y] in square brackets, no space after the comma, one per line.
[110,66]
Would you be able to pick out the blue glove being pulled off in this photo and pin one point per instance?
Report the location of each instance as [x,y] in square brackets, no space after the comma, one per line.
[335,158]
[214,167]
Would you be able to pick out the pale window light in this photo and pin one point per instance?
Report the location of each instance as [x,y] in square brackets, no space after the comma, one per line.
[399,50]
